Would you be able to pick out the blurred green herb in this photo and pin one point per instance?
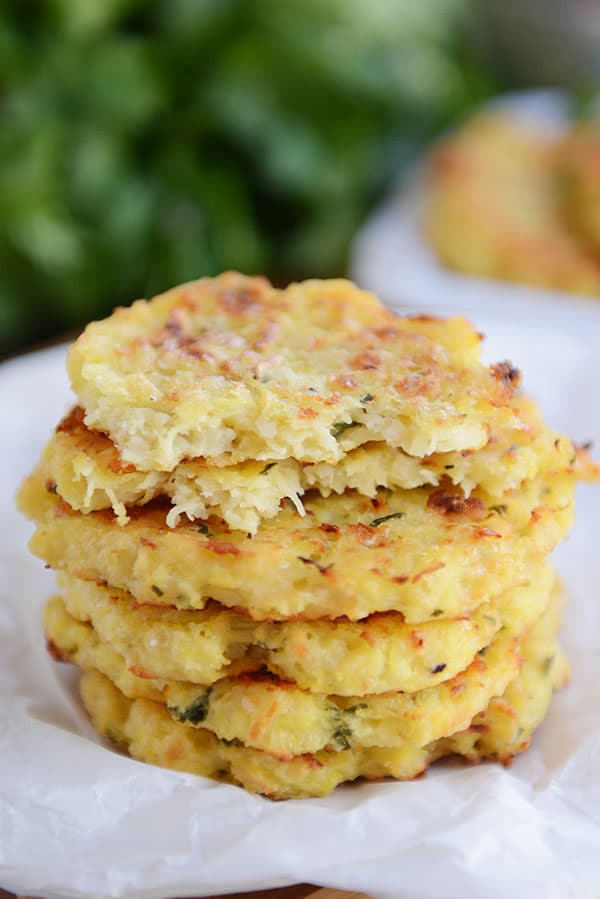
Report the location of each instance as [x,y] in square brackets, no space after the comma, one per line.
[143,144]
[194,713]
[377,521]
[338,427]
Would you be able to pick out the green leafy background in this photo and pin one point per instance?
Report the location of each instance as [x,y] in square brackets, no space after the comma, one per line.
[146,143]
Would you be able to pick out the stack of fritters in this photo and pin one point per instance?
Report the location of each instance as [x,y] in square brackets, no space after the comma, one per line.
[301,540]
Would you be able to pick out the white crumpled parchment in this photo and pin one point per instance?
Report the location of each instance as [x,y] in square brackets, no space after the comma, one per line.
[79,820]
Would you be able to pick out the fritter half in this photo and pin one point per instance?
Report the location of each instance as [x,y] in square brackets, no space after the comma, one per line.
[420,552]
[505,728]
[232,369]
[89,474]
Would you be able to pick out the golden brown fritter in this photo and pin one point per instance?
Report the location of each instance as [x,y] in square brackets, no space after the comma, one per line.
[231,369]
[494,208]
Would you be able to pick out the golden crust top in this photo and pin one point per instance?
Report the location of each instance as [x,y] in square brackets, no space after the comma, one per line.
[232,369]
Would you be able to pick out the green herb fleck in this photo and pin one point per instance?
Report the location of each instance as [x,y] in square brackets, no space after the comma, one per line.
[547,664]
[157,590]
[340,426]
[437,612]
[377,521]
[322,568]
[501,509]
[448,467]
[491,619]
[203,529]
[268,467]
[483,651]
[357,707]
[194,713]
[367,398]
[342,736]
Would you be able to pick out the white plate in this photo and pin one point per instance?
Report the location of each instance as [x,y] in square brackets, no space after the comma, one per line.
[79,820]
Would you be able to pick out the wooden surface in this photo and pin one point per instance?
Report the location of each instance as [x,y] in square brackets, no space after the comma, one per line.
[300,891]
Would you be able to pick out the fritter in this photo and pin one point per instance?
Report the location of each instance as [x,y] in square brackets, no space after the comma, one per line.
[232,369]
[278,717]
[375,655]
[579,181]
[422,552]
[507,725]
[149,733]
[89,474]
[494,208]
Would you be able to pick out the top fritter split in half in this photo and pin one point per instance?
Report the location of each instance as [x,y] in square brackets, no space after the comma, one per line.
[86,470]
[232,369]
